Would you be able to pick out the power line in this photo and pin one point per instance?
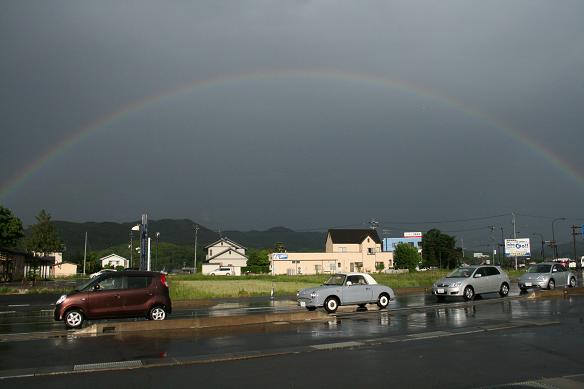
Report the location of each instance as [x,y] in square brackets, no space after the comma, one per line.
[453,220]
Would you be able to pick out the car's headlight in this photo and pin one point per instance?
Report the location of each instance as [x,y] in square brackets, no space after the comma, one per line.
[313,295]
[61,299]
[455,285]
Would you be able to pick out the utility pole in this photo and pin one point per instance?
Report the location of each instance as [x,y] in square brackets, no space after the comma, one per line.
[144,246]
[514,237]
[85,253]
[502,248]
[492,244]
[131,249]
[196,234]
[574,233]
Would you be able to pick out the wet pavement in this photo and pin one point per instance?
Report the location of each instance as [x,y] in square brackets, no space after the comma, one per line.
[34,313]
[67,348]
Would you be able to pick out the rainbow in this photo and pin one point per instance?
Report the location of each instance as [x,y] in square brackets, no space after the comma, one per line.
[77,136]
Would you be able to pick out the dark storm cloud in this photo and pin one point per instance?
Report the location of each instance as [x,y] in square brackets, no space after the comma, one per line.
[301,151]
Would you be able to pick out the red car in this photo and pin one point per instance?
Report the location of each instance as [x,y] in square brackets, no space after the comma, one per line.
[116,294]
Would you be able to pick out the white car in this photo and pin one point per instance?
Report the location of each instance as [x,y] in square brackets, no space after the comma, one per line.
[93,275]
[222,271]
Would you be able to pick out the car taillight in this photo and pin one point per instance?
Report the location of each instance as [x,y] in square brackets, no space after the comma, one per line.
[163,280]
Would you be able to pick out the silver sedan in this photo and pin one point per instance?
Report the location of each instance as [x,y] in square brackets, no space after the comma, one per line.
[546,275]
[470,281]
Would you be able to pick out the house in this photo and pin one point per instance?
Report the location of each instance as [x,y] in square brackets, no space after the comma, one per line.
[114,260]
[224,253]
[60,268]
[346,250]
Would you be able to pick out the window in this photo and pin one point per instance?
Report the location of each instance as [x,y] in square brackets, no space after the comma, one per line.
[210,252]
[112,283]
[492,271]
[139,282]
[483,271]
[343,249]
[357,280]
[339,264]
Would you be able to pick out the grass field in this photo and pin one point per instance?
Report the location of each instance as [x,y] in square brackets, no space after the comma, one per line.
[186,287]
[189,287]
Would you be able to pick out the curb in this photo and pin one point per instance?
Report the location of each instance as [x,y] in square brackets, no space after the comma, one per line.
[564,292]
[202,322]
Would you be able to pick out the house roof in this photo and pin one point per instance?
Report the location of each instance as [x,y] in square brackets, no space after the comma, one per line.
[112,255]
[228,241]
[224,251]
[355,236]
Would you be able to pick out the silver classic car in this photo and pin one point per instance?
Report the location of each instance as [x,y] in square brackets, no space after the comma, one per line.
[470,281]
[346,289]
[546,275]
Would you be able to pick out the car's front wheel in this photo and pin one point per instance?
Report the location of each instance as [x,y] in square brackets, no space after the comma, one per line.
[552,285]
[468,293]
[572,282]
[157,313]
[383,301]
[74,318]
[504,291]
[331,304]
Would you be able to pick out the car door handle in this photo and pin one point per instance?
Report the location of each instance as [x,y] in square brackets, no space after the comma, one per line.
[118,296]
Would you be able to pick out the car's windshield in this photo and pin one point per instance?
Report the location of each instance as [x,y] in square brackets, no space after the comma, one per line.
[84,285]
[462,272]
[337,279]
[539,269]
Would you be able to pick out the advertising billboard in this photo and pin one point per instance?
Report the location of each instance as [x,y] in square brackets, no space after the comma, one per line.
[517,248]
[412,234]
[276,256]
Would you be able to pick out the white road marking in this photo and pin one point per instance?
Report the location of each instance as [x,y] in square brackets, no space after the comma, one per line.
[107,365]
[19,305]
[6,312]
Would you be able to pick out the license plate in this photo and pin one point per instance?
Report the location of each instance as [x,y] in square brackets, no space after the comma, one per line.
[440,291]
[528,284]
[303,303]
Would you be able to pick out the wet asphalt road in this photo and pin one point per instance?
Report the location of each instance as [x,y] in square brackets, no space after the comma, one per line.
[22,314]
[493,341]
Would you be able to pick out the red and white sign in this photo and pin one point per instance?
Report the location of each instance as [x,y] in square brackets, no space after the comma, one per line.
[412,234]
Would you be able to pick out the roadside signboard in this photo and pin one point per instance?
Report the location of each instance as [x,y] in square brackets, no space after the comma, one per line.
[279,256]
[412,234]
[517,248]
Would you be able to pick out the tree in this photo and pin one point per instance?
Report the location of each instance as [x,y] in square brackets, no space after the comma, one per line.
[43,237]
[258,262]
[10,228]
[406,256]
[439,250]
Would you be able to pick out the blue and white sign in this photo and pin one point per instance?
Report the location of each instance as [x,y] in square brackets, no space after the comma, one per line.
[279,256]
[517,248]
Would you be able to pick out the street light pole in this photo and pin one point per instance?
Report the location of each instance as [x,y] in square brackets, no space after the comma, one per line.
[542,245]
[196,234]
[156,257]
[554,236]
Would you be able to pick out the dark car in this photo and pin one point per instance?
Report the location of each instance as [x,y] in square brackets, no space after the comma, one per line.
[116,294]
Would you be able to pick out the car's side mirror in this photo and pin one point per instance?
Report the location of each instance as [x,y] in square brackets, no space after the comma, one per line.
[96,287]
[349,283]
[478,275]
[554,270]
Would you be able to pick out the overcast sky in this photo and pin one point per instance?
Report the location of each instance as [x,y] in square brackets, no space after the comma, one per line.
[302,114]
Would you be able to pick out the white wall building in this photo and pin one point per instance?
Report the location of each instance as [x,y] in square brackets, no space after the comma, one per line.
[345,251]
[114,260]
[224,253]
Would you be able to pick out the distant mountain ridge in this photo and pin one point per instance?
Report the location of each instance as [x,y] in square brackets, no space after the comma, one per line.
[102,235]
